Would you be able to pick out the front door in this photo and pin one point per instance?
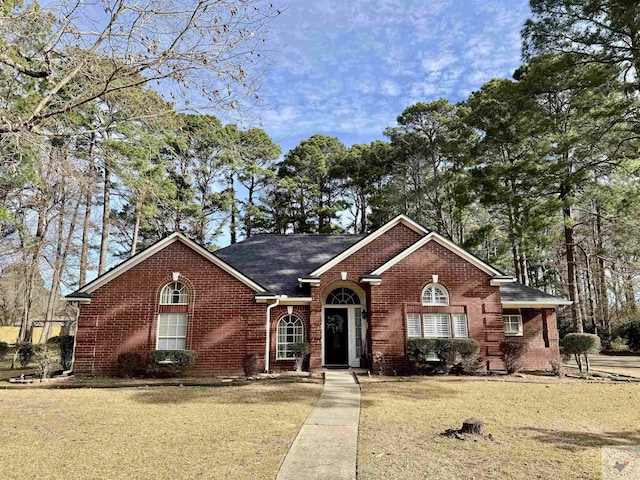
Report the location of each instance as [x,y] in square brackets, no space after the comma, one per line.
[336,336]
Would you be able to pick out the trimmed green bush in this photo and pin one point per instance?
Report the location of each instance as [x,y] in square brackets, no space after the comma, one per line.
[581,344]
[47,358]
[66,343]
[25,352]
[128,364]
[170,363]
[250,364]
[4,348]
[459,355]
[513,352]
[300,350]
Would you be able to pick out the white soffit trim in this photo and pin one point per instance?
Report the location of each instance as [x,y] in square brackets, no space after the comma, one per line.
[534,304]
[445,243]
[368,239]
[135,260]
[284,301]
[80,300]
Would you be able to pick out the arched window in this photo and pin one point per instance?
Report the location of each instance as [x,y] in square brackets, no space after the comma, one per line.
[343,296]
[435,294]
[290,331]
[174,293]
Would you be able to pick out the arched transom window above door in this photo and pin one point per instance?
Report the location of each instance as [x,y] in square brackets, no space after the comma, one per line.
[343,296]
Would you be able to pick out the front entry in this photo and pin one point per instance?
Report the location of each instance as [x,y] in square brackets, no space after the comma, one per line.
[336,336]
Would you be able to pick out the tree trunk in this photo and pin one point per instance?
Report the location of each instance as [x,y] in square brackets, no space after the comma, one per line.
[106,214]
[473,426]
[571,268]
[603,299]
[86,223]
[232,212]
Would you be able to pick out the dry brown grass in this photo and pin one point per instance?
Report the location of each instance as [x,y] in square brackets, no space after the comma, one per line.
[544,431]
[153,433]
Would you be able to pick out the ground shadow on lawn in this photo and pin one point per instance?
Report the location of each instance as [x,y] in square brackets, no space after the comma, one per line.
[576,441]
[245,394]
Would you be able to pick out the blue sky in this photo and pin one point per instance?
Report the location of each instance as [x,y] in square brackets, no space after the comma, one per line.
[347,68]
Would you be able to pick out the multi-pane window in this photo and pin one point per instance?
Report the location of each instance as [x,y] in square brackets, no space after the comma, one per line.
[460,329]
[434,294]
[174,293]
[437,325]
[343,296]
[172,331]
[290,331]
[358,312]
[512,324]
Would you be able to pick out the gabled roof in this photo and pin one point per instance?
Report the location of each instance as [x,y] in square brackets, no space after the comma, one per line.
[277,261]
[85,291]
[517,295]
[400,219]
[433,236]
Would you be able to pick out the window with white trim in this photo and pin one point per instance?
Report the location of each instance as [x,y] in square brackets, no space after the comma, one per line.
[290,331]
[512,325]
[343,296]
[172,331]
[174,293]
[413,325]
[460,328]
[358,315]
[435,294]
[436,325]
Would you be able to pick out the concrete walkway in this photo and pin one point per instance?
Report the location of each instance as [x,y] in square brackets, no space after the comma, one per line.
[325,447]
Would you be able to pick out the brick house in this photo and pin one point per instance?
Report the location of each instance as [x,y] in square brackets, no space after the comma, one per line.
[346,295]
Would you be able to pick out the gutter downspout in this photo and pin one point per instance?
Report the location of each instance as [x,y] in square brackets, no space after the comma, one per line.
[75,341]
[268,329]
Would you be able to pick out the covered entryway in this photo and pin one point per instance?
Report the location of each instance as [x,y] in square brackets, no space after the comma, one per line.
[344,327]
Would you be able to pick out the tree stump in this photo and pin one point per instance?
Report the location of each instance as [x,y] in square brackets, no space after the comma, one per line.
[473,426]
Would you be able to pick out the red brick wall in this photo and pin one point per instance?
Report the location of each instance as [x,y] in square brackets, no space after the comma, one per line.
[362,262]
[543,342]
[224,321]
[400,293]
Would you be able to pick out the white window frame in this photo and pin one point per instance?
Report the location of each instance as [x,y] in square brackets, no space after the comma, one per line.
[167,294]
[456,317]
[298,334]
[430,290]
[509,318]
[174,336]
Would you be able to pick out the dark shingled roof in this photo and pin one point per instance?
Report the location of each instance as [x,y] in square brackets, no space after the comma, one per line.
[517,292]
[277,261]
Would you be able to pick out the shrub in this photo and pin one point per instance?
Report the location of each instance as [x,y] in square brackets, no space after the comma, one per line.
[619,344]
[25,353]
[250,364]
[459,354]
[128,364]
[631,333]
[47,358]
[578,344]
[4,348]
[170,363]
[66,349]
[513,352]
[300,350]
[556,367]
[468,351]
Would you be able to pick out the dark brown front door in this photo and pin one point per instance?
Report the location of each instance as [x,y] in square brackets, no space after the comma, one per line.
[336,336]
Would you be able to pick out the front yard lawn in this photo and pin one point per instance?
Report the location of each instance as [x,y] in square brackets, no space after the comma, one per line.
[553,430]
[162,432]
